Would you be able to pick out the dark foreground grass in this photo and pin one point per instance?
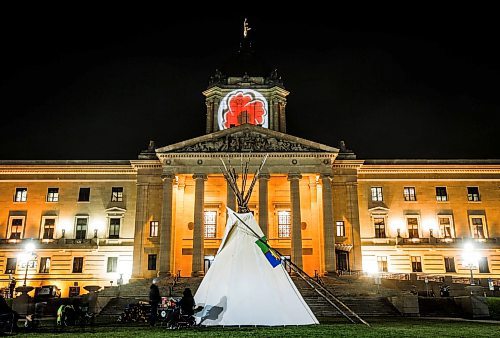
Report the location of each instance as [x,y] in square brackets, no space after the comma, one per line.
[380,328]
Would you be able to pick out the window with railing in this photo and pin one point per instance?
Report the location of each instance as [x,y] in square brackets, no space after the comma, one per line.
[210,224]
[478,226]
[81,228]
[379,224]
[412,223]
[48,228]
[114,227]
[16,227]
[445,227]
[284,224]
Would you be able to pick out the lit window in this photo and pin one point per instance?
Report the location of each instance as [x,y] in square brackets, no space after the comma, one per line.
[412,227]
[379,224]
[53,195]
[77,264]
[81,228]
[377,194]
[84,195]
[114,227]
[382,263]
[210,224]
[112,264]
[16,228]
[11,265]
[449,264]
[48,228]
[44,265]
[416,264]
[117,194]
[477,227]
[21,195]
[409,194]
[483,265]
[284,224]
[152,262]
[441,194]
[153,228]
[445,226]
[340,229]
[473,194]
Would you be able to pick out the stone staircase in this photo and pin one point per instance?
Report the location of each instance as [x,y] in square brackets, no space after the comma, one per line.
[359,294]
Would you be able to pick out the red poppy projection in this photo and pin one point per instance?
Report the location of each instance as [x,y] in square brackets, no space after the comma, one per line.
[242,106]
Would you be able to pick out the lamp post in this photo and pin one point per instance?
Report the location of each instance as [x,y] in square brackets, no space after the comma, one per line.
[470,259]
[27,256]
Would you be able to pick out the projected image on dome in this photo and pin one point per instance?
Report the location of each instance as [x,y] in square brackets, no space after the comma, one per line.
[243,106]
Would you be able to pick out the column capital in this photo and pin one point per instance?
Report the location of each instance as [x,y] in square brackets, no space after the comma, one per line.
[294,176]
[264,176]
[200,177]
[169,176]
[326,176]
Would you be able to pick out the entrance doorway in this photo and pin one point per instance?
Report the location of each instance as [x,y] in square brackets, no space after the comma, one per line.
[342,260]
[207,263]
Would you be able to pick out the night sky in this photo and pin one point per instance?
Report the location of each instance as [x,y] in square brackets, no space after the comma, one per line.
[92,84]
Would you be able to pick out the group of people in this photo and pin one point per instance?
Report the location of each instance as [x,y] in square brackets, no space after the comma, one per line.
[186,304]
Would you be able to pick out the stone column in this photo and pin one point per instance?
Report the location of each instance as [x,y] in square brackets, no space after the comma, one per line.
[275,116]
[166,227]
[140,219]
[281,106]
[199,202]
[296,219]
[263,203]
[230,199]
[215,111]
[210,115]
[353,212]
[328,226]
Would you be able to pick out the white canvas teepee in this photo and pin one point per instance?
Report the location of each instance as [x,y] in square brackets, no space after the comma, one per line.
[243,288]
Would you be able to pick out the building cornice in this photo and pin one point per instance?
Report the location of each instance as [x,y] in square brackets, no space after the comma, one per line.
[66,167]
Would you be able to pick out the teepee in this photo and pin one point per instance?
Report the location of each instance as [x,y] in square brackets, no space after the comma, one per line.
[246,283]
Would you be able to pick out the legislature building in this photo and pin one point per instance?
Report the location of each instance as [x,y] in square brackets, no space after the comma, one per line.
[76,223]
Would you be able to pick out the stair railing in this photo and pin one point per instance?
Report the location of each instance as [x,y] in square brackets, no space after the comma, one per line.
[324,292]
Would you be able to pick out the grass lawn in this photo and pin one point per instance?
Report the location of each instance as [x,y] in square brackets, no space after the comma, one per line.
[380,328]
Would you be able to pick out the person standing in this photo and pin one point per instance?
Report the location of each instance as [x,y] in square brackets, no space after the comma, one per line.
[154,300]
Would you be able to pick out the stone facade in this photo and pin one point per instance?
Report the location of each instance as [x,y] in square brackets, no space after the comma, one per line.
[166,211]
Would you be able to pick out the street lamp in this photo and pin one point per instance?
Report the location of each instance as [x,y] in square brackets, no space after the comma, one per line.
[26,256]
[470,259]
